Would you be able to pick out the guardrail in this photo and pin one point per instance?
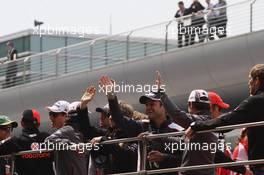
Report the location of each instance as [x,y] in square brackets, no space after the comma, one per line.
[242,18]
[141,168]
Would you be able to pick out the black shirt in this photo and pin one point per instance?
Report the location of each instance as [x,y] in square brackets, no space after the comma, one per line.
[29,164]
[249,110]
[11,53]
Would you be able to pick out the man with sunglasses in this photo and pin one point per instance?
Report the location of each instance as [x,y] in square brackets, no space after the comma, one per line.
[58,113]
[6,127]
[69,119]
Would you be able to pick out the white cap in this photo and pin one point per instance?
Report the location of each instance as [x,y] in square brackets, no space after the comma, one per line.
[200,96]
[59,106]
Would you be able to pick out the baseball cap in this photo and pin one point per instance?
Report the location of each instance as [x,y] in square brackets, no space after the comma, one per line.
[59,106]
[217,100]
[150,96]
[72,110]
[105,110]
[32,116]
[4,120]
[199,96]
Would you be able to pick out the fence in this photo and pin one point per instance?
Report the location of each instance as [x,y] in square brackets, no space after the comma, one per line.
[141,166]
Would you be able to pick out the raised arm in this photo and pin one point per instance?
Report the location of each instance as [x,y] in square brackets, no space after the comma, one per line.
[130,127]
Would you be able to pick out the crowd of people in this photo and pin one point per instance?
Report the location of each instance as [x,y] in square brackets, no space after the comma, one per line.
[119,119]
[210,21]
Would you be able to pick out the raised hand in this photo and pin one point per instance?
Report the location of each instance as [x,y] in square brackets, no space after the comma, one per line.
[107,84]
[158,79]
[87,96]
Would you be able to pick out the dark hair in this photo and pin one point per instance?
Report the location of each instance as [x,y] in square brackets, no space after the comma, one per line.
[10,43]
[201,106]
[181,3]
[258,71]
[30,124]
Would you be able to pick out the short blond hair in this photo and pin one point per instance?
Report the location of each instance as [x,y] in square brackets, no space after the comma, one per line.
[126,109]
[139,116]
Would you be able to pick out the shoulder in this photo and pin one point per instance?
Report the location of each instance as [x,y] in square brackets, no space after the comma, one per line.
[252,101]
[43,134]
[64,130]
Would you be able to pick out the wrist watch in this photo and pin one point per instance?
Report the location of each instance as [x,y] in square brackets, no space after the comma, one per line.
[192,124]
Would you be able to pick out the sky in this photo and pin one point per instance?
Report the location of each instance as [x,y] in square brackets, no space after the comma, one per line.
[94,15]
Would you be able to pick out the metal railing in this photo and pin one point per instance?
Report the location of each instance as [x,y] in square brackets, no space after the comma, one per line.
[141,168]
[242,18]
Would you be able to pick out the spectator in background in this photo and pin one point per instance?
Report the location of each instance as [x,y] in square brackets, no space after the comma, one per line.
[6,127]
[211,19]
[11,69]
[221,19]
[182,30]
[198,21]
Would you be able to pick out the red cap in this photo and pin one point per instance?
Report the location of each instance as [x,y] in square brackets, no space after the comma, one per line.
[217,100]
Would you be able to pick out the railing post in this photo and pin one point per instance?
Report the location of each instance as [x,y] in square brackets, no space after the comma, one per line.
[106,52]
[127,45]
[91,54]
[12,164]
[166,36]
[145,48]
[251,15]
[25,69]
[144,153]
[57,62]
[139,158]
[41,58]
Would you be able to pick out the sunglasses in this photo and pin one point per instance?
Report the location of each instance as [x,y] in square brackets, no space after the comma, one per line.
[55,114]
[7,129]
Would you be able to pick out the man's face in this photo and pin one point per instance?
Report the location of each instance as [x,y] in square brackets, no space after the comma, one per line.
[154,109]
[5,132]
[181,6]
[57,119]
[104,121]
[253,85]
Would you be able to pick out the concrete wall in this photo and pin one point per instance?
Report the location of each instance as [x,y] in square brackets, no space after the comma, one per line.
[219,65]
